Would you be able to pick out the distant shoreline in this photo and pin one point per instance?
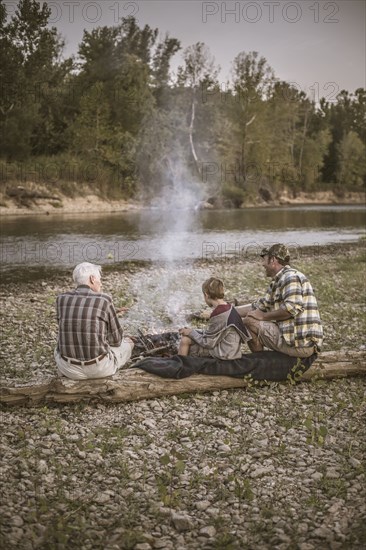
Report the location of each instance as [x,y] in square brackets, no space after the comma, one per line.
[92,204]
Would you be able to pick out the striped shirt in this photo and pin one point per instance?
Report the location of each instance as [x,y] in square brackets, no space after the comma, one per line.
[88,324]
[291,290]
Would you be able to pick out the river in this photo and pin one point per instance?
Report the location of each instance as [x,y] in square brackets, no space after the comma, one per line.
[43,244]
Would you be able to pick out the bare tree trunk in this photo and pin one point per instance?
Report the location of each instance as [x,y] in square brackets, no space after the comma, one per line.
[98,130]
[135,384]
[303,141]
[191,128]
[292,143]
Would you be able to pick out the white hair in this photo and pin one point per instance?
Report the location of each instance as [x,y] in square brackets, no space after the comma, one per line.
[83,271]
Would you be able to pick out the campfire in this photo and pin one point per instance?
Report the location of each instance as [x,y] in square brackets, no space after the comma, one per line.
[164,344]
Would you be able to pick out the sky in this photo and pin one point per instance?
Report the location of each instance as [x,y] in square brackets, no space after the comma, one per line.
[318,46]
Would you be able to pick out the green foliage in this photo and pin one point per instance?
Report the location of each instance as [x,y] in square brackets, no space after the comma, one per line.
[225,541]
[90,130]
[243,489]
[296,372]
[333,488]
[233,194]
[345,115]
[317,432]
[352,160]
[173,466]
[29,58]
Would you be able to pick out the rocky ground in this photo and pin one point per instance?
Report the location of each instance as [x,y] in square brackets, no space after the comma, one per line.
[278,466]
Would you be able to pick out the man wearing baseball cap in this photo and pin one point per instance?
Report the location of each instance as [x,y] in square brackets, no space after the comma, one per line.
[287,318]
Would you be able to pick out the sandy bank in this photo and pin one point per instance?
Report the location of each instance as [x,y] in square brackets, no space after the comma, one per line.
[76,205]
[90,203]
[322,197]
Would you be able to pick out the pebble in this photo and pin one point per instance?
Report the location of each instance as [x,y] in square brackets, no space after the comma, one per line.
[150,423]
[182,522]
[260,472]
[208,531]
[162,543]
[16,534]
[355,462]
[332,474]
[17,521]
[203,505]
[103,498]
[42,467]
[323,532]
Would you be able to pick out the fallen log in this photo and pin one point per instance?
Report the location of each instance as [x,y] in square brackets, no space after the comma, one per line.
[134,384]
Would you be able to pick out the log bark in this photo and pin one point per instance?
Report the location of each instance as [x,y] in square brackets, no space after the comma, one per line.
[135,384]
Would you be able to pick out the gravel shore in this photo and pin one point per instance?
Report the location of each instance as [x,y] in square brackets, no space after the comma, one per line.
[272,467]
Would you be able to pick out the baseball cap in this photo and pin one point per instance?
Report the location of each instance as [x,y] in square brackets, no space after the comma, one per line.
[279,251]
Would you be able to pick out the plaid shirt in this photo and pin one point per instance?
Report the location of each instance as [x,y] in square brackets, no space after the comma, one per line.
[292,291]
[88,324]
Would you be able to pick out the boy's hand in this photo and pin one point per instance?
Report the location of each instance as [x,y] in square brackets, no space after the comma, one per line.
[185,331]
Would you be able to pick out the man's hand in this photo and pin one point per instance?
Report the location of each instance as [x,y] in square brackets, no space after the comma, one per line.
[122,310]
[203,315]
[185,331]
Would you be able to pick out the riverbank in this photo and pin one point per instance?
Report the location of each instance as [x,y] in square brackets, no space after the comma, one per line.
[65,205]
[36,200]
[279,466]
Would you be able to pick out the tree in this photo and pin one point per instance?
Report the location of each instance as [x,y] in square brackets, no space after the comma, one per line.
[30,61]
[97,53]
[165,50]
[347,114]
[282,121]
[315,148]
[352,160]
[91,129]
[135,41]
[198,72]
[247,140]
[252,76]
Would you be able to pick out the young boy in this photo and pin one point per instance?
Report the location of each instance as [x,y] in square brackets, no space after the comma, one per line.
[225,331]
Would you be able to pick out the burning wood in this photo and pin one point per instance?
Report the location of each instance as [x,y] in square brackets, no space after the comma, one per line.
[165,344]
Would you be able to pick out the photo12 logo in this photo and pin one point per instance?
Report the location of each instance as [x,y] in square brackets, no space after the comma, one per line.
[66,253]
[289,94]
[241,251]
[89,12]
[271,12]
[254,172]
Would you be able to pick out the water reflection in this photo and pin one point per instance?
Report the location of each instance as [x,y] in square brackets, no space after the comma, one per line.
[150,222]
[64,240]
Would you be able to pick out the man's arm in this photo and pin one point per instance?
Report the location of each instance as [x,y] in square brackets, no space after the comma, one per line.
[244,310]
[115,331]
[275,315]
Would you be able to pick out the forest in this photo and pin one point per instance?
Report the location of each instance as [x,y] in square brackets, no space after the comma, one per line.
[116,118]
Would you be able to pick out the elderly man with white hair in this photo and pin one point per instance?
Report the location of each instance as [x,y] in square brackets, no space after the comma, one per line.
[90,338]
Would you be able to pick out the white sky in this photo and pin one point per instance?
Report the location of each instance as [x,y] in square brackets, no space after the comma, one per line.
[318,45]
